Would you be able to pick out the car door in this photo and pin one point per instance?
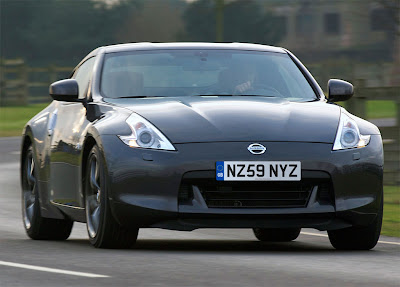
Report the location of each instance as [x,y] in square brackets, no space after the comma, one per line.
[65,186]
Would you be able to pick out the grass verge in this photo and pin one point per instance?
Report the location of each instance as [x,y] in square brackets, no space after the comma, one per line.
[391,211]
[381,109]
[378,109]
[13,119]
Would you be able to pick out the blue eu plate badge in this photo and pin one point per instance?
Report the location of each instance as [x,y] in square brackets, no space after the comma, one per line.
[220,170]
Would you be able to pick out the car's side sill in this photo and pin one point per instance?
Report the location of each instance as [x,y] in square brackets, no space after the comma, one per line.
[74,212]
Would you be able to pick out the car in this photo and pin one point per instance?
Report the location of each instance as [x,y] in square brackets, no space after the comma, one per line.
[184,136]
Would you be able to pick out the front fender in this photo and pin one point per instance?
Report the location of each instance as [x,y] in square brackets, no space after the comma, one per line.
[36,133]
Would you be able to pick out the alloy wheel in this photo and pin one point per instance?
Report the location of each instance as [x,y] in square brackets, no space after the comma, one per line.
[29,190]
[93,197]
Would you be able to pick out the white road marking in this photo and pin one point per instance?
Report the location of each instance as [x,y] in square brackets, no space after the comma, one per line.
[324,235]
[388,242]
[52,270]
[314,234]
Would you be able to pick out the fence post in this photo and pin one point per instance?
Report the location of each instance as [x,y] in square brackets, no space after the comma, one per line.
[23,95]
[398,136]
[52,74]
[398,111]
[2,84]
[357,105]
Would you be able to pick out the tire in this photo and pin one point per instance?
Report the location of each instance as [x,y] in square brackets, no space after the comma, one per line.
[36,226]
[103,230]
[276,234]
[358,237]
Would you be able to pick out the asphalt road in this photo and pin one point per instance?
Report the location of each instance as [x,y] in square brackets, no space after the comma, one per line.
[170,258]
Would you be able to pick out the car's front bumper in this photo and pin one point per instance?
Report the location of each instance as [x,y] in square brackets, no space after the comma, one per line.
[145,185]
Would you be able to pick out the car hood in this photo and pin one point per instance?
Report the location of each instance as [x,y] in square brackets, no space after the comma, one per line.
[217,119]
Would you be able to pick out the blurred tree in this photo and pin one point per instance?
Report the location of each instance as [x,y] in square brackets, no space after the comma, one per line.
[243,21]
[15,17]
[219,20]
[59,31]
[199,21]
[157,21]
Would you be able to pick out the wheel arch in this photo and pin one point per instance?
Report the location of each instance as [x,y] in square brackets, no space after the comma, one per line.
[88,144]
[92,138]
[25,143]
[28,139]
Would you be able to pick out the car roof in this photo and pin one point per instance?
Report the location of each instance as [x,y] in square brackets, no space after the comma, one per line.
[181,45]
[187,45]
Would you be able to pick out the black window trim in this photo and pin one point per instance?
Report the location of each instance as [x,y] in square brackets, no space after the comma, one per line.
[75,70]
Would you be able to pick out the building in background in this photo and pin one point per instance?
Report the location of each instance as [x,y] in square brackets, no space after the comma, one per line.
[361,29]
[354,31]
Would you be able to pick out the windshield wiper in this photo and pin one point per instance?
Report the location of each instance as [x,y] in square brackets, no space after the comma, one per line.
[244,95]
[248,95]
[130,97]
[211,95]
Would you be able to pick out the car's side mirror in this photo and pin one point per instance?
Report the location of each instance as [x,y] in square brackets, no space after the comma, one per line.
[339,90]
[65,90]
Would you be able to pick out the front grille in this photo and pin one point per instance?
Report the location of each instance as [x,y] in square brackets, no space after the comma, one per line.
[249,194]
[255,195]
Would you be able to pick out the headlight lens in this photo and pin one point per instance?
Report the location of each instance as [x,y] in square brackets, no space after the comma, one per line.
[348,135]
[145,135]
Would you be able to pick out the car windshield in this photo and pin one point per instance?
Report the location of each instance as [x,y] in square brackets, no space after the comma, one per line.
[176,73]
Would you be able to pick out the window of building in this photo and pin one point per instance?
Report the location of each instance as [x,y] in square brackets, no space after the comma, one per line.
[304,24]
[380,19]
[332,23]
[282,24]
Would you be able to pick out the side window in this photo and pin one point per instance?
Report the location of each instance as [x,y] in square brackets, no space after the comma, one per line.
[82,76]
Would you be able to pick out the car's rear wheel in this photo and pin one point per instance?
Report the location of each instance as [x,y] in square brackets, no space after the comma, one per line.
[358,237]
[103,230]
[36,226]
[276,234]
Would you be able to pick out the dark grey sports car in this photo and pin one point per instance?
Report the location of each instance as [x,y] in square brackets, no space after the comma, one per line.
[198,135]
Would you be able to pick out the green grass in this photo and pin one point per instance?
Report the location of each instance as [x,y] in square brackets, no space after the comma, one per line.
[391,211]
[13,119]
[381,109]
[378,109]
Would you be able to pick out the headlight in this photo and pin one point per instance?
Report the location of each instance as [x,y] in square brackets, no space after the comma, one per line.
[348,134]
[145,135]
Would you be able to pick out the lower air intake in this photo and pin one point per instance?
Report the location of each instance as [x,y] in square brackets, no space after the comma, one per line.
[252,194]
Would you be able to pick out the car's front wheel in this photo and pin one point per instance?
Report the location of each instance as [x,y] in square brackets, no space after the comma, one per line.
[358,237]
[36,226]
[276,235]
[103,230]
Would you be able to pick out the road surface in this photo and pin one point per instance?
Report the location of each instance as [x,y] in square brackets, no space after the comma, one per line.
[170,258]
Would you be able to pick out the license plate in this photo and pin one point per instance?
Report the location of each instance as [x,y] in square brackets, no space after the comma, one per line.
[258,170]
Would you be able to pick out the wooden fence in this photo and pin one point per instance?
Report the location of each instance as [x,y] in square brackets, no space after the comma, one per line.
[22,85]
